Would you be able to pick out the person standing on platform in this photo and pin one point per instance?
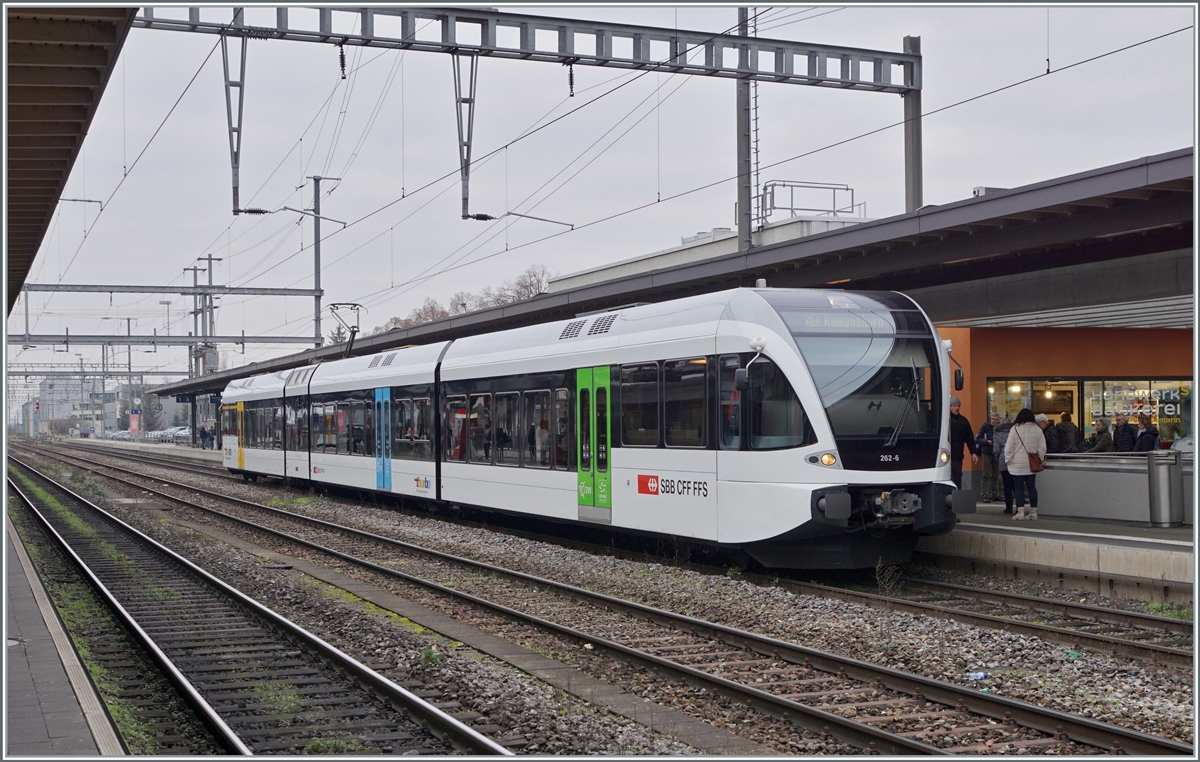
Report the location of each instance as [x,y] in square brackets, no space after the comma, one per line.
[1102,441]
[1124,435]
[1025,442]
[999,439]
[987,454]
[961,434]
[1071,432]
[1054,438]
[1147,438]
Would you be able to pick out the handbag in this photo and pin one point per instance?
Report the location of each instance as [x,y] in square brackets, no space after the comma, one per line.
[1035,460]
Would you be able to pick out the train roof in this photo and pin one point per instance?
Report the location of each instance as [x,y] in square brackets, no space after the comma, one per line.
[564,344]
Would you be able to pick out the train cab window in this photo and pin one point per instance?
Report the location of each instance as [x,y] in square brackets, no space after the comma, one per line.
[685,397]
[456,429]
[730,403]
[341,422]
[562,427]
[507,429]
[537,429]
[777,419]
[639,405]
[480,429]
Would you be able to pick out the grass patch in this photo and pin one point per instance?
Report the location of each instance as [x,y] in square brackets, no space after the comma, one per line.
[1173,610]
[277,502]
[282,698]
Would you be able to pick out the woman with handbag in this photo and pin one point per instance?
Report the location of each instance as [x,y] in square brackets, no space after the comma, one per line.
[1023,454]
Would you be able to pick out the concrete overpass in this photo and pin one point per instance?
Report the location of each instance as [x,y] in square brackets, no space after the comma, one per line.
[1117,235]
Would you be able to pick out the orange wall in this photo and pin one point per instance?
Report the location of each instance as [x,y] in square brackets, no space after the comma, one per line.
[1042,353]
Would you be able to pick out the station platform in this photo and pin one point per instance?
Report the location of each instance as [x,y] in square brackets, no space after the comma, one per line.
[1121,558]
[181,452]
[51,706]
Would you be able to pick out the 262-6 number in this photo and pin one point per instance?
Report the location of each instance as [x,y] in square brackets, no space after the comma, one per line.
[889,458]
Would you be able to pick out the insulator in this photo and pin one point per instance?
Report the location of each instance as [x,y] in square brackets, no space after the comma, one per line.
[342,59]
[571,78]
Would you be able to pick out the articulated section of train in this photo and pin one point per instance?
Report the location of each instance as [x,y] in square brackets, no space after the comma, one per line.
[808,428]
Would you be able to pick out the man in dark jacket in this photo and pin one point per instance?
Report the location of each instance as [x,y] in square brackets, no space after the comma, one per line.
[1054,438]
[990,489]
[1124,435]
[960,434]
[1071,431]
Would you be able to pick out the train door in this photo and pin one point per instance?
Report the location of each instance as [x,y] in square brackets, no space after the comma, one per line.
[593,395]
[241,433]
[383,439]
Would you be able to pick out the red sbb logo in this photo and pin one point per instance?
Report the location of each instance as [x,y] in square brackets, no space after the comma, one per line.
[647,485]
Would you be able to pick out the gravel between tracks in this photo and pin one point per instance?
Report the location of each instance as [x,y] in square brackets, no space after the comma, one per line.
[1105,688]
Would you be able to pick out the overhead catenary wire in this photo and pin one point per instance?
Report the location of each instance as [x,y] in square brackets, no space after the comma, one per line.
[796,157]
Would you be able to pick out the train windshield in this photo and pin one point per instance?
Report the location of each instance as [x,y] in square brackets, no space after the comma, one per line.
[874,362]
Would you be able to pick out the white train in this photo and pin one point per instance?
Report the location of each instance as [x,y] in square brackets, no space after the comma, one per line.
[808,428]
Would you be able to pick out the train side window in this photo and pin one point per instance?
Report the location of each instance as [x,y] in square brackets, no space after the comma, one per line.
[685,397]
[537,431]
[341,422]
[507,429]
[777,419]
[480,429]
[422,428]
[301,404]
[562,428]
[277,426]
[639,405]
[456,429]
[402,429]
[730,404]
[364,428]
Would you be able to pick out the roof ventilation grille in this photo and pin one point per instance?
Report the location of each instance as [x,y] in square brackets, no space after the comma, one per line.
[572,330]
[375,361]
[602,324]
[388,360]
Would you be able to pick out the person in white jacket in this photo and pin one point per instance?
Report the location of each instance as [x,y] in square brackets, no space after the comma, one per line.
[1024,440]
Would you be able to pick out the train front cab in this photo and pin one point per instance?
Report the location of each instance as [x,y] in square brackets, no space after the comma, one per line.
[872,376]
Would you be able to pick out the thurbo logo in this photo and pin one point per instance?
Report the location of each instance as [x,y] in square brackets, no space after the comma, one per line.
[423,482]
[647,485]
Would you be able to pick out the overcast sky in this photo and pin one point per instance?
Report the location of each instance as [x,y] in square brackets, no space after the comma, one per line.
[388,131]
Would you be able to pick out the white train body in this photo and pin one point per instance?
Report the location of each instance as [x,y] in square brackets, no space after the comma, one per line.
[637,420]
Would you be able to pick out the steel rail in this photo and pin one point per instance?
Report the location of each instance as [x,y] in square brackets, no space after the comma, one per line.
[197,468]
[1079,729]
[223,733]
[458,734]
[1126,647]
[1080,610]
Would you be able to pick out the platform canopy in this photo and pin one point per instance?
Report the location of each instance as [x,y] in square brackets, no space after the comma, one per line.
[59,61]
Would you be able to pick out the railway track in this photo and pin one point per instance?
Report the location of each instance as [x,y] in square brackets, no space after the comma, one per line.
[197,468]
[257,682]
[1145,637]
[1141,636]
[871,707]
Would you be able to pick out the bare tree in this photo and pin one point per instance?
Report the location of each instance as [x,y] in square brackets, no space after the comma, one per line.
[533,281]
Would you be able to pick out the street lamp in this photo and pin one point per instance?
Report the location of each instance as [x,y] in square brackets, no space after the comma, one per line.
[168,317]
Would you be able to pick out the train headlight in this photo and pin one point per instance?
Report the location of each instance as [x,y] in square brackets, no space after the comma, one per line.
[944,456]
[828,459]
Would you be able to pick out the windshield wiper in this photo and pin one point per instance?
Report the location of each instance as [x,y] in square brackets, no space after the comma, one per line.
[909,398]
